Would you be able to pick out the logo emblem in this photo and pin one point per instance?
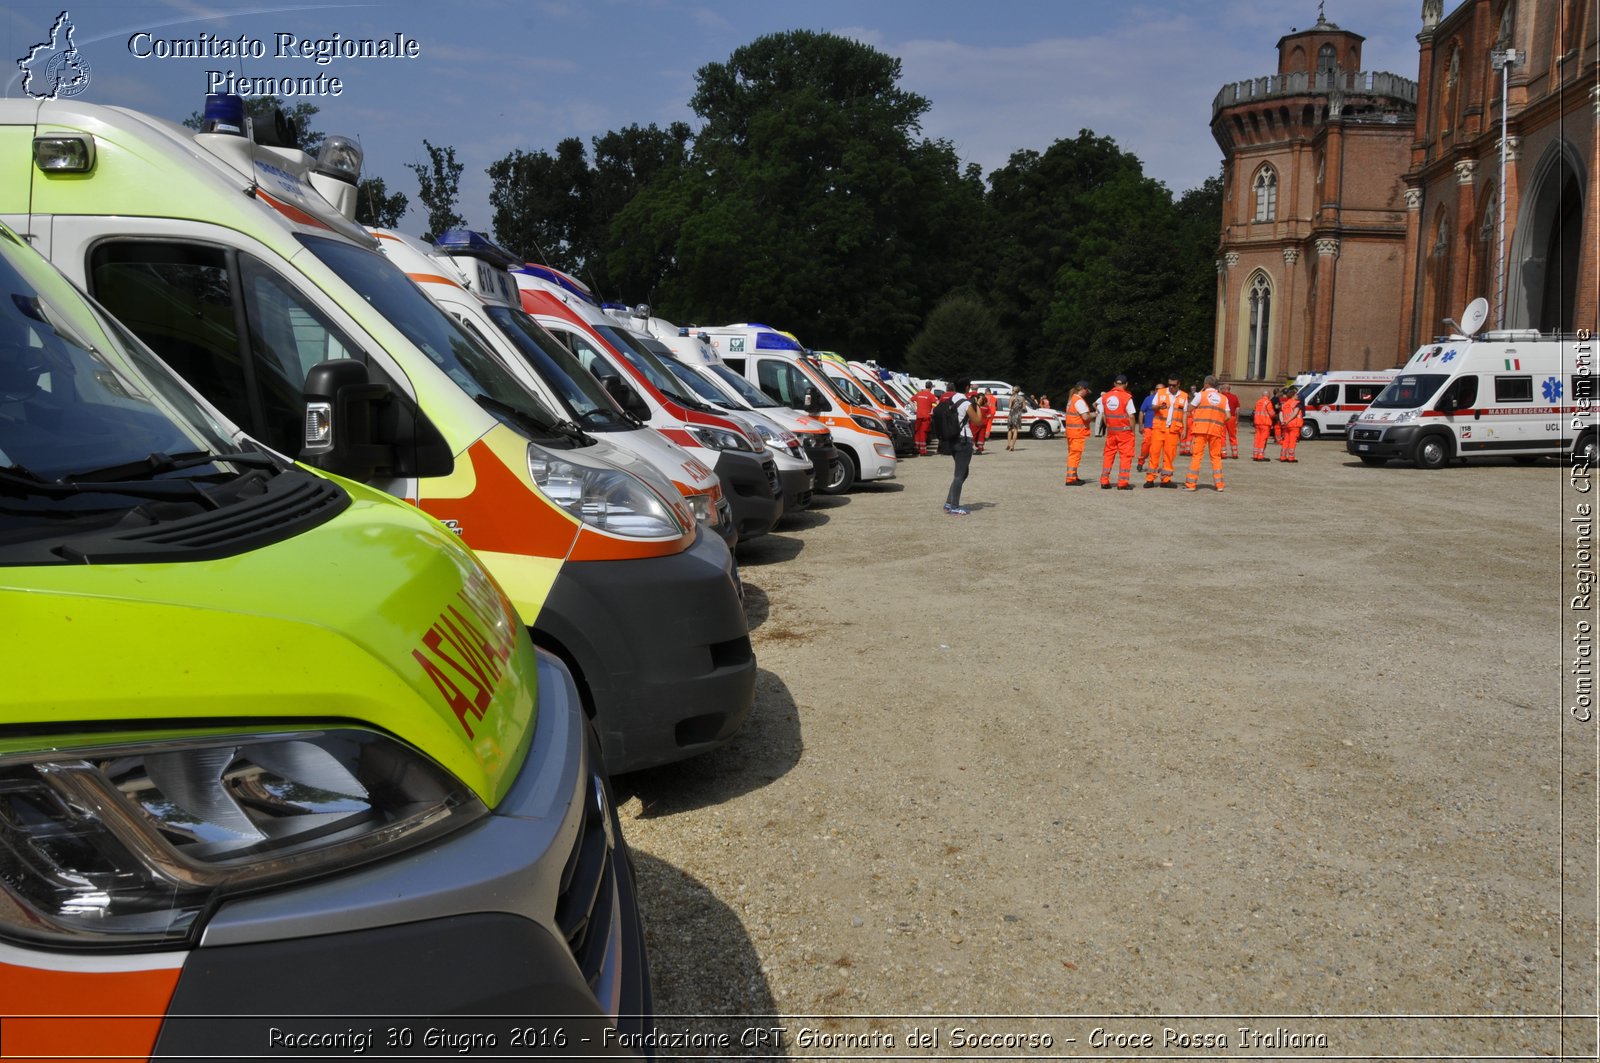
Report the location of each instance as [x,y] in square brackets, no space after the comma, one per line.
[55,69]
[1552,389]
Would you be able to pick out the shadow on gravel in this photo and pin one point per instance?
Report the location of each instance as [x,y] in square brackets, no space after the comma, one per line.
[878,488]
[764,750]
[703,966]
[803,520]
[828,501]
[756,606]
[974,506]
[768,549]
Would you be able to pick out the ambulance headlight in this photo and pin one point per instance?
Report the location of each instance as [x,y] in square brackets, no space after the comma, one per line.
[340,157]
[720,438]
[870,424]
[1406,417]
[133,844]
[774,437]
[606,497]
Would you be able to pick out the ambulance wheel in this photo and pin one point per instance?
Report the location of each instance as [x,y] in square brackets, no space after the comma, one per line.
[1040,430]
[1583,451]
[1308,430]
[1433,452]
[1369,459]
[840,478]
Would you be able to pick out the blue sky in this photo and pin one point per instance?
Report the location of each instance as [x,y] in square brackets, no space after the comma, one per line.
[493,76]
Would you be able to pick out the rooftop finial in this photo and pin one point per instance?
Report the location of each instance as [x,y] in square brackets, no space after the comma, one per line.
[1321,15]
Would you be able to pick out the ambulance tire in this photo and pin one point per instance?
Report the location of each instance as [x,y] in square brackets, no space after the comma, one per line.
[841,477]
[1583,451]
[1433,451]
[1040,430]
[1308,430]
[1371,459]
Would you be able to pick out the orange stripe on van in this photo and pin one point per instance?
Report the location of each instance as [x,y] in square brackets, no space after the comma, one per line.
[116,1014]
[292,212]
[503,513]
[433,278]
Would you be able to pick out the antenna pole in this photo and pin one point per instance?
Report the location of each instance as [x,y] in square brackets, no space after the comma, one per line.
[1504,59]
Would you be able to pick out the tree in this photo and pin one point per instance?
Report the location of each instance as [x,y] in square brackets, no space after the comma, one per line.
[959,341]
[262,112]
[808,201]
[540,203]
[375,206]
[440,184]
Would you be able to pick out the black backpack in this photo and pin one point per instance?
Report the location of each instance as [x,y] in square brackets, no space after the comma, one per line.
[945,425]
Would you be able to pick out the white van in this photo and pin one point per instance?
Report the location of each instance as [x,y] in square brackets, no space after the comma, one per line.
[1330,401]
[1519,394]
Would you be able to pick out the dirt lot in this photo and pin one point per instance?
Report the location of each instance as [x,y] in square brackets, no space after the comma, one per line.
[1153,763]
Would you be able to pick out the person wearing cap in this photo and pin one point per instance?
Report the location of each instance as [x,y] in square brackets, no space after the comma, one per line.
[1117,409]
[1209,420]
[1078,416]
[1169,424]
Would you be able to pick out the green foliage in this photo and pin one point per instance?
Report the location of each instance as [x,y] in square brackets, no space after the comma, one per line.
[376,206]
[262,112]
[440,183]
[959,341]
[540,204]
[808,201]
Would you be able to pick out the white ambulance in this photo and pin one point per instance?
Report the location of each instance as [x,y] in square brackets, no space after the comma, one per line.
[1331,401]
[1520,394]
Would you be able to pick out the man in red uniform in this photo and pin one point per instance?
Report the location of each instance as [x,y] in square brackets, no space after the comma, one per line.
[1233,420]
[1169,414]
[1078,415]
[1118,409]
[1292,416]
[1263,416]
[1209,420]
[923,402]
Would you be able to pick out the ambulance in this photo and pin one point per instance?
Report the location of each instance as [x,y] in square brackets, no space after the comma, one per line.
[271,738]
[856,392]
[694,349]
[1330,401]
[648,391]
[775,362]
[236,262]
[467,275]
[1519,394]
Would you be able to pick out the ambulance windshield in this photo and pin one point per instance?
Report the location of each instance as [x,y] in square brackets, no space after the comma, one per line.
[558,367]
[746,390]
[439,336]
[1409,391]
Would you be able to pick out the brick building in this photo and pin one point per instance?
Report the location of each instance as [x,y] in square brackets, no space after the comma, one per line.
[1360,209]
[1552,171]
[1314,211]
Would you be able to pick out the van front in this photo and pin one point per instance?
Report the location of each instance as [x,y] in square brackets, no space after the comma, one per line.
[223,255]
[270,721]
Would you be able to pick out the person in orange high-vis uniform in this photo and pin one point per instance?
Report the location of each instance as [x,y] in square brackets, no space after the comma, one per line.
[923,401]
[1292,416]
[1169,417]
[1263,415]
[1208,419]
[1232,400]
[1119,410]
[1078,415]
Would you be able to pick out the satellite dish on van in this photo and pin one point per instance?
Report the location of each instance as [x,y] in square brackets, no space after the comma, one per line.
[1474,316]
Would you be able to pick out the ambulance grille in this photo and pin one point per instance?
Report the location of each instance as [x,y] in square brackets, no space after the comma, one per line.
[586,906]
[1367,434]
[255,511]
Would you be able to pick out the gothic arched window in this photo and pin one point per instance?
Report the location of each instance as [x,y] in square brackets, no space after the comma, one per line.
[1259,305]
[1266,188]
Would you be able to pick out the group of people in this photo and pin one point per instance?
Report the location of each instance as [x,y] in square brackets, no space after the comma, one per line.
[1147,437]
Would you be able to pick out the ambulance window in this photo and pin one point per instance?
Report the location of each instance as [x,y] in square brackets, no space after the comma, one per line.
[1583,388]
[1328,396]
[180,300]
[783,382]
[1409,392]
[1361,394]
[287,337]
[736,364]
[1513,389]
[1461,395]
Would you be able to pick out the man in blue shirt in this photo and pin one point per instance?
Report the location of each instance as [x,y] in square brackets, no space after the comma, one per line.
[1147,413]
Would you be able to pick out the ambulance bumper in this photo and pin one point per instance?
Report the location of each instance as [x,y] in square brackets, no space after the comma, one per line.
[1394,442]
[663,647]
[750,483]
[797,487]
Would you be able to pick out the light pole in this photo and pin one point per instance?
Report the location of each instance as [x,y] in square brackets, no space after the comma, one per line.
[1503,59]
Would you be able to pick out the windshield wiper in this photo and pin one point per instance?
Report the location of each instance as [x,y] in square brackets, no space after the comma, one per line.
[516,413]
[19,479]
[154,464]
[574,433]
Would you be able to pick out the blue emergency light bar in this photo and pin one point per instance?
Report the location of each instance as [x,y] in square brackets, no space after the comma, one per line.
[224,114]
[776,341]
[556,277]
[469,243]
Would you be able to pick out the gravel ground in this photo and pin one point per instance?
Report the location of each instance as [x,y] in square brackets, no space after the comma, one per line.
[1288,758]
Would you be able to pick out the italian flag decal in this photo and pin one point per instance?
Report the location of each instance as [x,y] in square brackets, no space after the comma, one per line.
[1513,363]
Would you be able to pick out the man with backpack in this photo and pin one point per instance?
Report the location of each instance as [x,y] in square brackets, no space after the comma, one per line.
[952,428]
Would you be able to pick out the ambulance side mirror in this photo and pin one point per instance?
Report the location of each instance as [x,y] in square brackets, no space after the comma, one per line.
[813,401]
[341,417]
